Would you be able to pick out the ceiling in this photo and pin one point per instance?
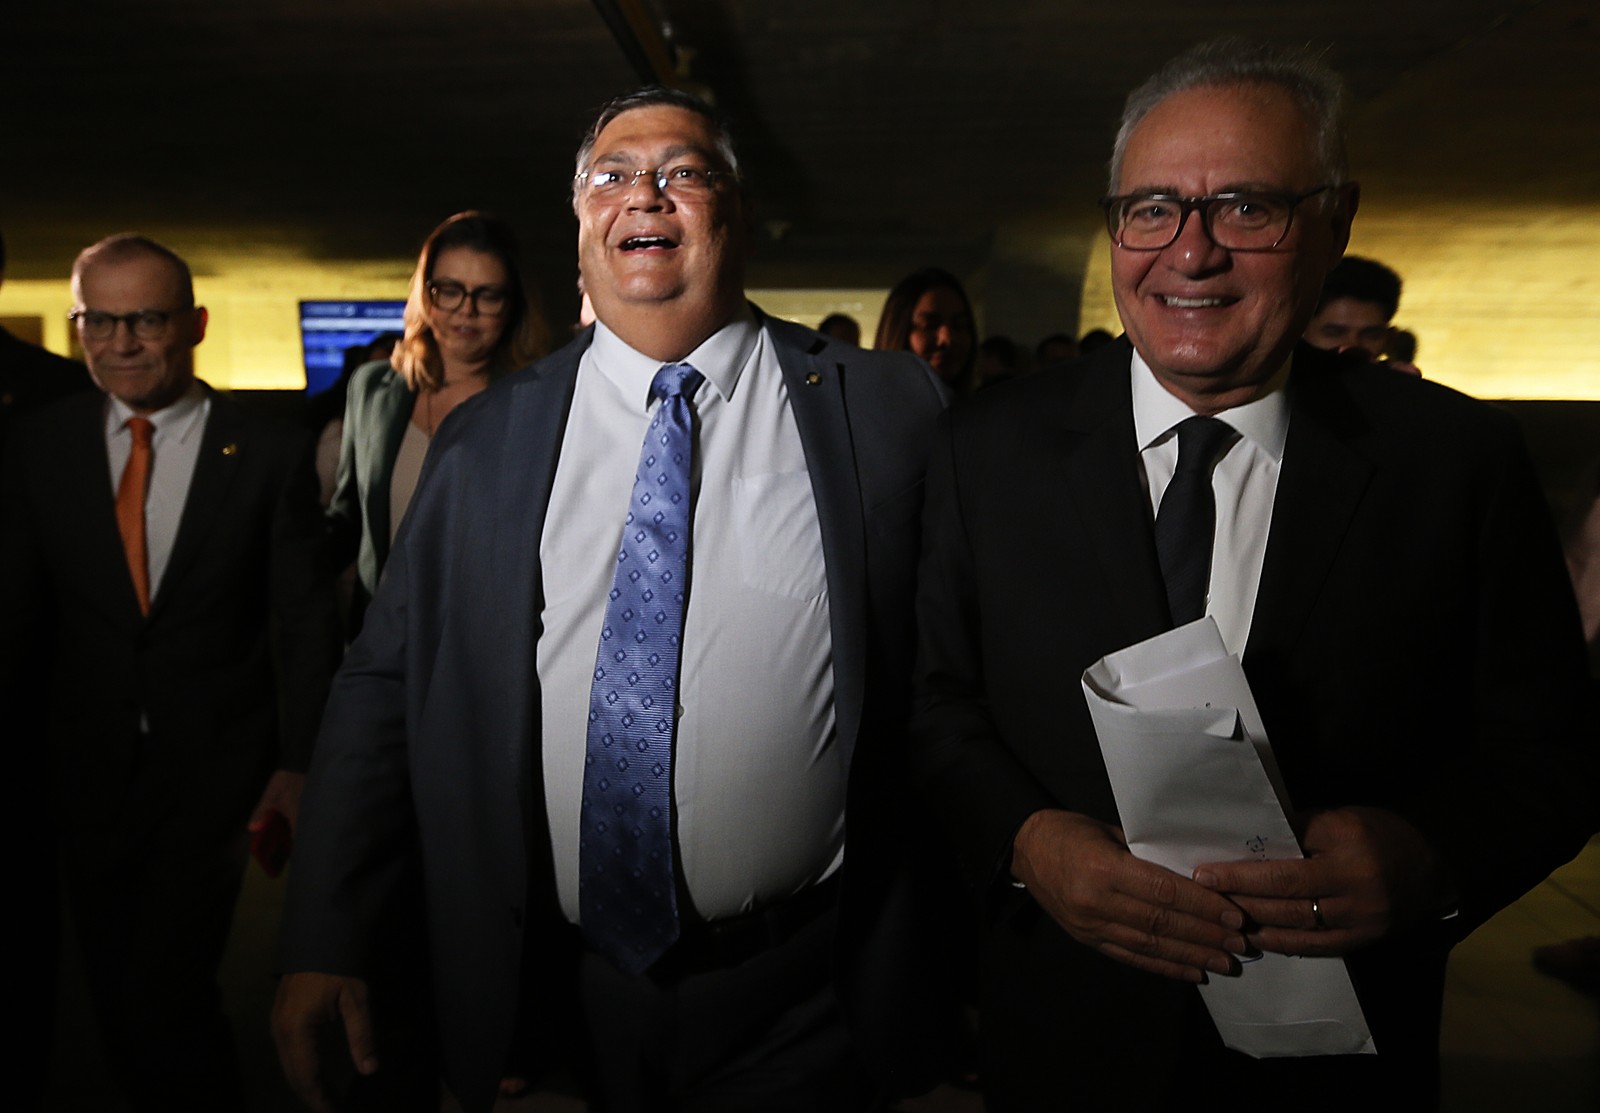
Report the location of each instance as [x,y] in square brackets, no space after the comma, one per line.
[880,134]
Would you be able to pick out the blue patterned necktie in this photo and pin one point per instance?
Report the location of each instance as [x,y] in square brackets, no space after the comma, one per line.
[627,893]
[1187,521]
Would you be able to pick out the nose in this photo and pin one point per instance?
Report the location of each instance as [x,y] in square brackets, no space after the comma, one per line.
[653,197]
[122,337]
[1194,251]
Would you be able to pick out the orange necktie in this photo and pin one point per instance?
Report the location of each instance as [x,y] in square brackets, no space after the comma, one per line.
[130,509]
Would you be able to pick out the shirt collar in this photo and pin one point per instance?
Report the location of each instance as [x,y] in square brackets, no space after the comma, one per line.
[179,421]
[1156,410]
[721,358]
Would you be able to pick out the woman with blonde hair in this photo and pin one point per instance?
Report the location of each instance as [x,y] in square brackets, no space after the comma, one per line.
[470,318]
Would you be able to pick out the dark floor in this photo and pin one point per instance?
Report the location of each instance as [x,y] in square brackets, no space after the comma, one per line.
[1513,1038]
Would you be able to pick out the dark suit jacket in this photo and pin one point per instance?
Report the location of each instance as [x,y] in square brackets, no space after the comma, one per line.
[377,408]
[1414,647]
[233,662]
[31,377]
[433,729]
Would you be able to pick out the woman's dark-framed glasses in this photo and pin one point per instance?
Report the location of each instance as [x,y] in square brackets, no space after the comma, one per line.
[1240,220]
[488,300]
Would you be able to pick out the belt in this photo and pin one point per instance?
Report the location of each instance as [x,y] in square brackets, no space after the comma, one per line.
[719,944]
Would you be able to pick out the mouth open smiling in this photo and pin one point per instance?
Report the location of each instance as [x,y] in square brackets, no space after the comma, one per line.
[648,243]
[1173,302]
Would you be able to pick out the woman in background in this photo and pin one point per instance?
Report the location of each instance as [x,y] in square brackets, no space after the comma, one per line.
[928,313]
[470,318]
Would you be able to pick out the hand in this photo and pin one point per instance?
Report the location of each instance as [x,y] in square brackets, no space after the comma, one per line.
[1369,871]
[306,1003]
[1081,872]
[282,794]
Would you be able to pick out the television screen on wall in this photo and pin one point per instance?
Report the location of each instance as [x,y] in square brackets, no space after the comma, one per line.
[328,329]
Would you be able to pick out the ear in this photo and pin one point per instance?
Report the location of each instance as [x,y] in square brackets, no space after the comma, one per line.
[201,317]
[1344,213]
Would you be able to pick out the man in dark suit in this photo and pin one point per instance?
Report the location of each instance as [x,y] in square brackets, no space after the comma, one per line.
[178,670]
[31,377]
[762,950]
[1375,547]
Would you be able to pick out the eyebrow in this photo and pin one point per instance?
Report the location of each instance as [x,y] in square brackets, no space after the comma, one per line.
[443,280]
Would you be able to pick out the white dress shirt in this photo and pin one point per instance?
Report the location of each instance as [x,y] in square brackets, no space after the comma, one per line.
[1245,483]
[174,449]
[758,777]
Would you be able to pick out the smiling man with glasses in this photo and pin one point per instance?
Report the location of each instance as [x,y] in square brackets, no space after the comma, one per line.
[171,636]
[633,686]
[1376,550]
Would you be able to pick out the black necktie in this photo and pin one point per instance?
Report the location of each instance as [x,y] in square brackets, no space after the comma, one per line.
[1187,520]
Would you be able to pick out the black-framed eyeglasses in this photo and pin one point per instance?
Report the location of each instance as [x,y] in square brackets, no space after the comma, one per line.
[488,300]
[146,324]
[1243,220]
[685,181]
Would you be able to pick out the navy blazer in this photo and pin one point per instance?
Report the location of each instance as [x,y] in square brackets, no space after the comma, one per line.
[1414,646]
[433,728]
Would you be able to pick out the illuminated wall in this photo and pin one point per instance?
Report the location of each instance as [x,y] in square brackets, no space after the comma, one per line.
[808,307]
[1505,302]
[253,341]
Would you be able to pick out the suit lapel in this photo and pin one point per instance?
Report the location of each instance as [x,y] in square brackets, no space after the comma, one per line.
[1321,485]
[537,418]
[392,405]
[816,397]
[1102,473]
[86,477]
[222,453]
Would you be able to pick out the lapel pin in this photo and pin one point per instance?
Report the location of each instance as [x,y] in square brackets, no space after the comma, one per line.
[813,379]
[230,449]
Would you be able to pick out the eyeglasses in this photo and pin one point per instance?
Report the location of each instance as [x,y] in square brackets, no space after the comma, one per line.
[686,182]
[488,300]
[1238,221]
[145,324]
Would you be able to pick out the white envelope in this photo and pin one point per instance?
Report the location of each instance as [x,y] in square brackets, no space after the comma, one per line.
[1195,781]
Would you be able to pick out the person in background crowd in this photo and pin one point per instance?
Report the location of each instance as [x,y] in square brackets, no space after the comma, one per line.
[927,313]
[470,318]
[1359,299]
[1093,340]
[1058,347]
[842,327]
[998,359]
[31,377]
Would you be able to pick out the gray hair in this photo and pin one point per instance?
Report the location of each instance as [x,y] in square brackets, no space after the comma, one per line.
[652,96]
[130,245]
[1233,61]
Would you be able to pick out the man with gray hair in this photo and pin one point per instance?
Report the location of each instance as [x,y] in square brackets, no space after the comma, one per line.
[1373,546]
[633,686]
[169,640]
